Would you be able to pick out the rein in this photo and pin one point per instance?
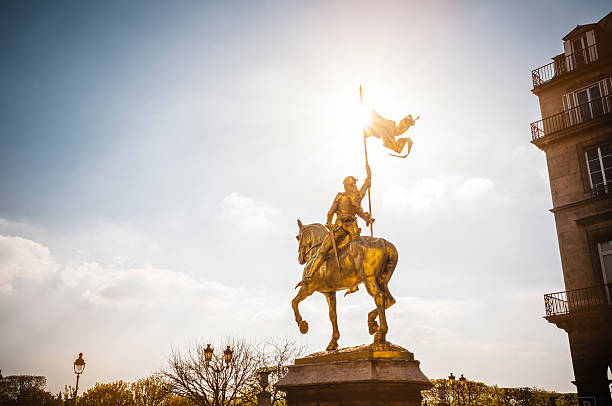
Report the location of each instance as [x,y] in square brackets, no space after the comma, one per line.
[314,246]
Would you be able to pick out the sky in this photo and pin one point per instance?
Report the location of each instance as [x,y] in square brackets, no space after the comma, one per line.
[155,156]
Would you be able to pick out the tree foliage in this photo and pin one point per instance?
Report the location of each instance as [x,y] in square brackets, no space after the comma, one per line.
[471,393]
[151,391]
[26,390]
[102,394]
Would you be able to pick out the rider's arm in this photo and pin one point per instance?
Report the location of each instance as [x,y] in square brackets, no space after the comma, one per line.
[366,183]
[365,216]
[332,210]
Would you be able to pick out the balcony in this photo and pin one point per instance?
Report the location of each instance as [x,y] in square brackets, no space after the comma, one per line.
[578,301]
[569,118]
[601,190]
[564,64]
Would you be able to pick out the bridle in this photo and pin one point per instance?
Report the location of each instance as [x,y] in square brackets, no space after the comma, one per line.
[307,253]
[311,248]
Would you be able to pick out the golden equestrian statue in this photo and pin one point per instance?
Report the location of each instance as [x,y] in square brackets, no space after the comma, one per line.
[338,258]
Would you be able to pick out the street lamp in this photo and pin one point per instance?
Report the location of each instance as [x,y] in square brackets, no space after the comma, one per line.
[208,353]
[227,355]
[458,393]
[79,366]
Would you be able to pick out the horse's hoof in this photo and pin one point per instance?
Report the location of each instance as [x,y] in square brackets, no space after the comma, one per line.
[380,337]
[303,327]
[373,327]
[332,347]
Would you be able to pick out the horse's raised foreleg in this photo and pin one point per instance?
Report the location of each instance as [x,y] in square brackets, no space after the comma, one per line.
[302,294]
[333,317]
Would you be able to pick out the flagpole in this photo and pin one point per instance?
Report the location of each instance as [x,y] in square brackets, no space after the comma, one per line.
[365,149]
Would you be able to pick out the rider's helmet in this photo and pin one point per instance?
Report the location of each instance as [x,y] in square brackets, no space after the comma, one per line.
[348,180]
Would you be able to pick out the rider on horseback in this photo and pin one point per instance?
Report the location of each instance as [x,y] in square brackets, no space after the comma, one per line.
[346,207]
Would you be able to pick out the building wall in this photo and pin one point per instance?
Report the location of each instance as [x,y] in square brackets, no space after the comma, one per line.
[550,98]
[578,243]
[567,169]
[570,185]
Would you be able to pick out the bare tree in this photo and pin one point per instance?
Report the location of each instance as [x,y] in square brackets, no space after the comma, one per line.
[235,384]
[215,384]
[276,358]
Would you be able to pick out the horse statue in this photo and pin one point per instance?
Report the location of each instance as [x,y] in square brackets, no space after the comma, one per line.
[366,260]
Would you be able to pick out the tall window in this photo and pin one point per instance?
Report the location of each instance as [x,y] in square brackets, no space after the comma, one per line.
[605,256]
[600,168]
[579,46]
[590,104]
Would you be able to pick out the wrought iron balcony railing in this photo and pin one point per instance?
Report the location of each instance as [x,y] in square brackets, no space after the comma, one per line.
[564,64]
[601,190]
[585,112]
[578,301]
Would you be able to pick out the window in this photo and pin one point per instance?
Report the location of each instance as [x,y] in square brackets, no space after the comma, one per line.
[580,50]
[587,103]
[579,46]
[590,104]
[605,256]
[599,161]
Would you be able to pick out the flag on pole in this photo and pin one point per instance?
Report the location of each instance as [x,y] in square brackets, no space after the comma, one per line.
[388,131]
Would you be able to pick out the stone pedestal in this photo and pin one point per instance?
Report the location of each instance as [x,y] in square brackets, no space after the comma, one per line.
[367,375]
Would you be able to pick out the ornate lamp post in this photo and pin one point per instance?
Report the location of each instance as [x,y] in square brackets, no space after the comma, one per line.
[227,357]
[79,366]
[442,394]
[263,397]
[458,393]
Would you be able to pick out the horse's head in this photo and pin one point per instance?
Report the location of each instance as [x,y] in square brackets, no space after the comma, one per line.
[309,237]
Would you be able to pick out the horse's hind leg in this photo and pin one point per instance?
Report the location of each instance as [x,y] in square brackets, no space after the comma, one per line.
[378,293]
[333,317]
[389,301]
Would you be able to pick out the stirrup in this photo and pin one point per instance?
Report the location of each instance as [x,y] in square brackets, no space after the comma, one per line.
[352,289]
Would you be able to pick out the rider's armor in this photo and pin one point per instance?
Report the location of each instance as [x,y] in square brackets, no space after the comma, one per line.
[346,207]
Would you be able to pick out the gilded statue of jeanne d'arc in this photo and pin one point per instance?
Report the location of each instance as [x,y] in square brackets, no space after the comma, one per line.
[346,207]
[337,257]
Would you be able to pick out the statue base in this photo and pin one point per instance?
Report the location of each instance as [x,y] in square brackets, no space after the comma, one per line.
[375,374]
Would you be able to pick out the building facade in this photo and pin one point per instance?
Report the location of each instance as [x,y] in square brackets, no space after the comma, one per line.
[575,133]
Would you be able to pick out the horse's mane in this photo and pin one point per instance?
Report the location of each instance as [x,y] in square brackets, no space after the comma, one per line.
[317,230]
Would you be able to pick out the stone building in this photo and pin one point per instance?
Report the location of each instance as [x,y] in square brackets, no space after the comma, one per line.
[575,133]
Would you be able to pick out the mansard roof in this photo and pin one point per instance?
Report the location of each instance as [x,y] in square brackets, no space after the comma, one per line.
[605,23]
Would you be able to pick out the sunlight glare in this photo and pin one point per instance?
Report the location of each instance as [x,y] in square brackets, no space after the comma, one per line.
[365,115]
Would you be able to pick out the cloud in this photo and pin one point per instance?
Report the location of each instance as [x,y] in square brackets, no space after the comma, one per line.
[473,188]
[21,258]
[110,286]
[245,211]
[8,227]
[438,193]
